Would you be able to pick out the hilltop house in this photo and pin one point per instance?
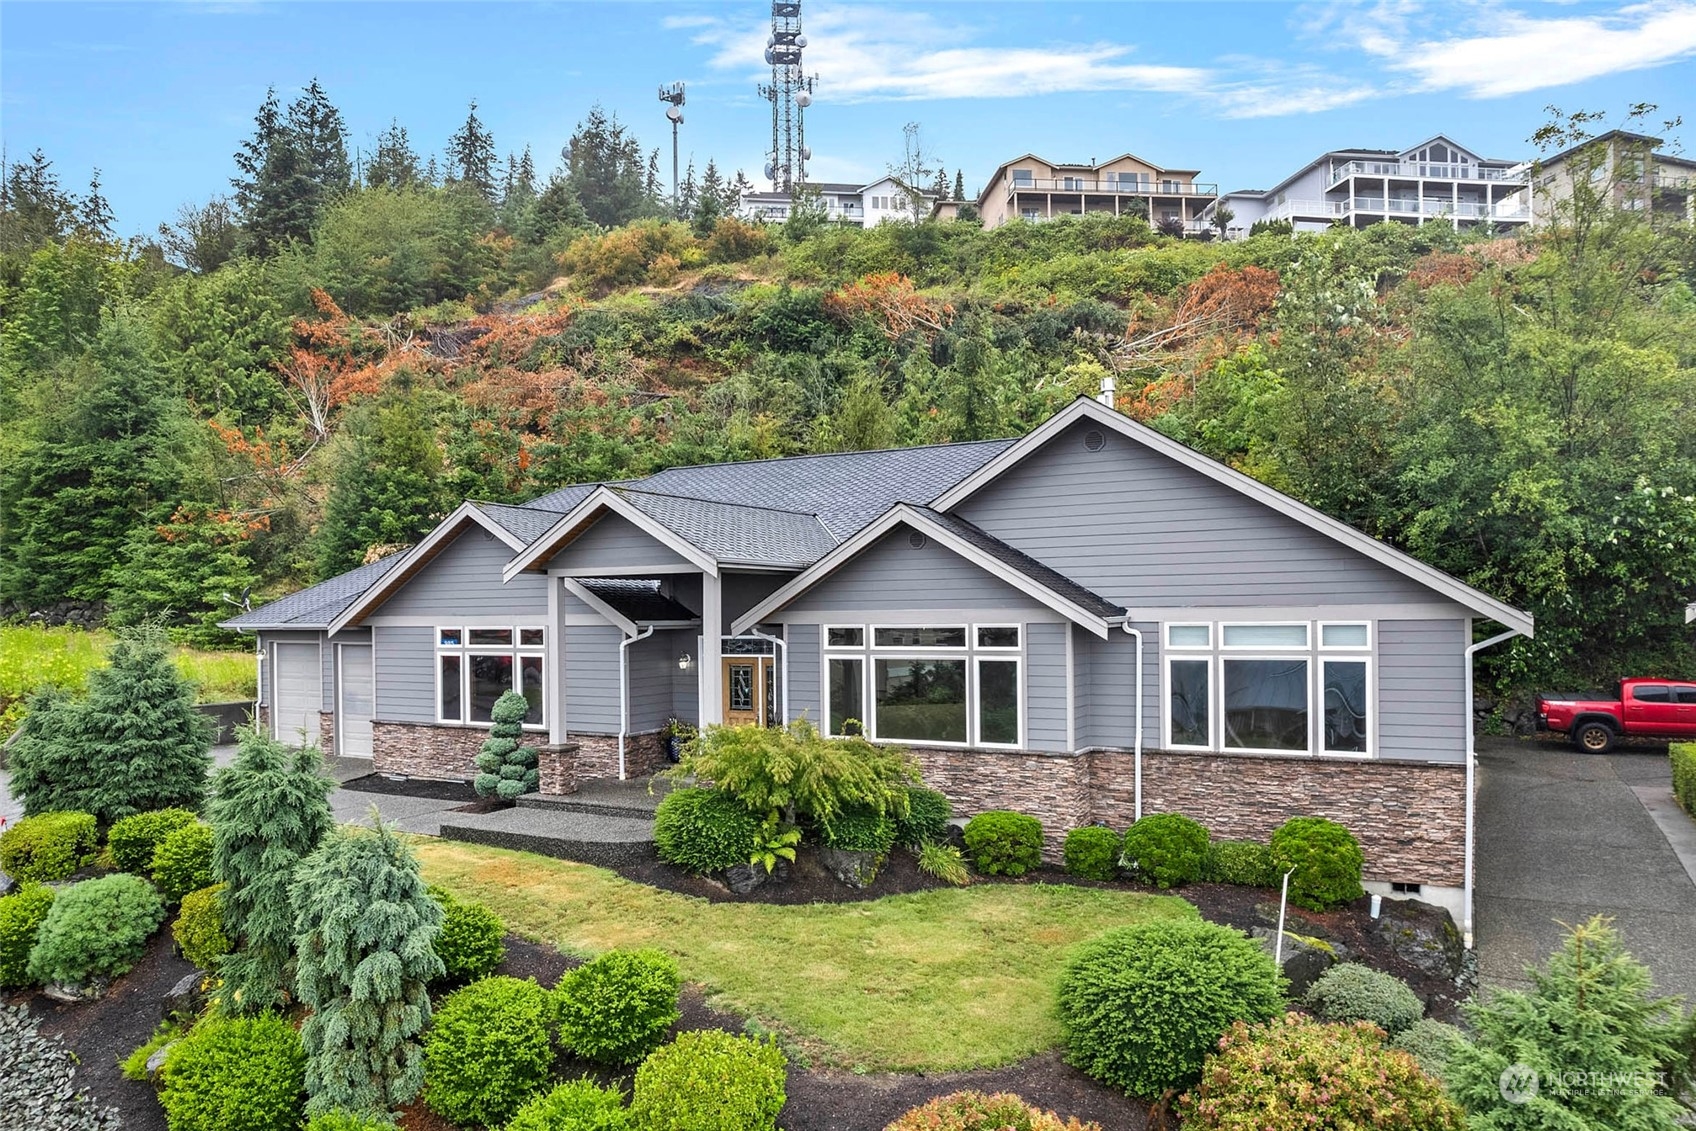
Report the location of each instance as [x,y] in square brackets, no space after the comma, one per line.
[1032,188]
[1088,623]
[860,206]
[1628,168]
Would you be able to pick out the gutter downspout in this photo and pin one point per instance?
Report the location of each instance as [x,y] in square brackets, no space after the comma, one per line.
[1472,775]
[624,691]
[1136,743]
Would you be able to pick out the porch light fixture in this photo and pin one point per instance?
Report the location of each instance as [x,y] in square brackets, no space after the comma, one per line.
[684,663]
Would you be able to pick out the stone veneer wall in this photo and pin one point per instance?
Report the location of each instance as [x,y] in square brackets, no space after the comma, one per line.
[597,755]
[419,750]
[327,733]
[1408,816]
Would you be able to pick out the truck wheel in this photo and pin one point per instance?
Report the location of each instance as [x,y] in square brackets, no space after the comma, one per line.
[1594,738]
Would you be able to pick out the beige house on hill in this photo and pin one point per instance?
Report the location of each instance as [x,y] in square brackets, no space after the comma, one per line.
[1031,188]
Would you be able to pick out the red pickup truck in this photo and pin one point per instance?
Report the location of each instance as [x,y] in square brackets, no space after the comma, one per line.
[1642,708]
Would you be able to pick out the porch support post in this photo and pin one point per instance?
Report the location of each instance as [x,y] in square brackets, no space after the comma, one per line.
[553,653]
[712,650]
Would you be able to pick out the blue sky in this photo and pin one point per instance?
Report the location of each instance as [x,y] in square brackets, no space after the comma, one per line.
[159,96]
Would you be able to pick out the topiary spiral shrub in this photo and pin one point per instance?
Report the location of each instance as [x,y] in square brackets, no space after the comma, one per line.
[132,839]
[1431,1043]
[1004,843]
[506,767]
[471,942]
[487,1051]
[1326,860]
[579,1105]
[49,846]
[710,1080]
[199,929]
[1092,852]
[975,1111]
[235,1074]
[1352,992]
[183,861]
[616,1009]
[1166,849]
[21,916]
[704,830]
[928,814]
[1141,1006]
[97,928]
[860,830]
[1296,1073]
[1247,863]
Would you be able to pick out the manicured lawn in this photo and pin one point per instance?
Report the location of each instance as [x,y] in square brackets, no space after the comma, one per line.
[933,981]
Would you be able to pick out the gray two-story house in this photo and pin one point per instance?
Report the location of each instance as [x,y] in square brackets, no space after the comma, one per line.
[1089,623]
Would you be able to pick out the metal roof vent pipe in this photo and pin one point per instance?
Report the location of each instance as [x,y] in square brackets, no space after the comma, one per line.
[1108,390]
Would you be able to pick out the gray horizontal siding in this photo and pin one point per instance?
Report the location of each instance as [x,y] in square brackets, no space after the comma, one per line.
[405,660]
[1107,689]
[652,665]
[739,592]
[591,678]
[1422,689]
[614,543]
[806,693]
[1045,686]
[891,575]
[1141,529]
[464,580]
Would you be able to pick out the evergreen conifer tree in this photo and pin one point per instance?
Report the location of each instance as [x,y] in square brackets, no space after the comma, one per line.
[394,164]
[959,184]
[268,812]
[507,768]
[688,192]
[365,928]
[94,215]
[387,486]
[734,190]
[36,211]
[180,571]
[472,151]
[134,743]
[709,200]
[604,162]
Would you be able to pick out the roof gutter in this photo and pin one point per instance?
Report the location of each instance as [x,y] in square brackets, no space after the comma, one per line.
[1472,776]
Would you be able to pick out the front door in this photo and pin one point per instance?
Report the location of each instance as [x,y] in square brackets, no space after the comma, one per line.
[750,687]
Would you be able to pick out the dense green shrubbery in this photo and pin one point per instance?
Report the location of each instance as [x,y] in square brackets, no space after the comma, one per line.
[1166,849]
[1431,1043]
[1326,859]
[1141,1006]
[928,814]
[21,916]
[134,1066]
[704,830]
[976,1111]
[617,1008]
[579,1105]
[505,766]
[1352,992]
[471,942]
[1683,755]
[48,846]
[710,1080]
[199,928]
[1295,1073]
[95,928]
[860,830]
[183,861]
[342,1121]
[1092,852]
[235,1074]
[487,1050]
[132,839]
[1004,843]
[1247,863]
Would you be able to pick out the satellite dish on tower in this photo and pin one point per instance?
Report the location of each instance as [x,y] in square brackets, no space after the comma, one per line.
[800,41]
[771,173]
[674,114]
[803,99]
[806,153]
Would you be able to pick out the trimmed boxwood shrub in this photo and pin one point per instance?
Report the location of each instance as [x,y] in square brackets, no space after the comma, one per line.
[1683,756]
[471,942]
[928,814]
[21,916]
[1141,1006]
[199,929]
[1247,863]
[1352,992]
[1166,849]
[575,1106]
[1092,852]
[95,928]
[487,1051]
[183,861]
[616,1009]
[1297,1073]
[860,830]
[132,839]
[704,830]
[975,1111]
[710,1080]
[1431,1043]
[1003,843]
[49,846]
[1326,858]
[342,1121]
[235,1074]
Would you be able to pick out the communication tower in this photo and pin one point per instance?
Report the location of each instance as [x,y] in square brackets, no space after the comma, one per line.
[790,92]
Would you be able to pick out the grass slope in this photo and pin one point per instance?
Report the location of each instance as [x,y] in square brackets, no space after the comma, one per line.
[934,981]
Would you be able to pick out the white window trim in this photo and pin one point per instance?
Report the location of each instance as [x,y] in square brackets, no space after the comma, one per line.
[1305,656]
[959,655]
[1004,649]
[826,629]
[949,649]
[974,697]
[869,652]
[1305,646]
[865,688]
[1368,648]
[1346,657]
[466,651]
[1213,725]
[1208,625]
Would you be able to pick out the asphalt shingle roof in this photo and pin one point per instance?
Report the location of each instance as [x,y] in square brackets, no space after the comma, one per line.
[735,532]
[638,598]
[317,605]
[525,523]
[1047,577]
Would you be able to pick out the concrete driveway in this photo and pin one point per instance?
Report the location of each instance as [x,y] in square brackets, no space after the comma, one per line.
[1563,836]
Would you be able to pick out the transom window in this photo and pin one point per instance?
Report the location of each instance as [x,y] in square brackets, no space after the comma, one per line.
[1269,687]
[950,685]
[475,666]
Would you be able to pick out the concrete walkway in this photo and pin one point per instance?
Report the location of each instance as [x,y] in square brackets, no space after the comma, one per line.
[1563,836]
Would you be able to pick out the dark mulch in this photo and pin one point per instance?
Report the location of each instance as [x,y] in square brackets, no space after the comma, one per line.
[414,787]
[805,881]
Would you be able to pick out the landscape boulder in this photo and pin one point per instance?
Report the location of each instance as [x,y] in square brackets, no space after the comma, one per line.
[186,999]
[156,1062]
[1422,935]
[1305,957]
[856,869]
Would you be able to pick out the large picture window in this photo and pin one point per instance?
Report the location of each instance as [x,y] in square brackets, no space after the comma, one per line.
[476,666]
[950,685]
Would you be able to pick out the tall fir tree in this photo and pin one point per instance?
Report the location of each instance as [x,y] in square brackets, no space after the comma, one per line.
[605,165]
[734,191]
[939,188]
[688,193]
[365,927]
[94,214]
[387,488]
[320,135]
[651,183]
[250,159]
[709,200]
[471,150]
[184,572]
[959,184]
[393,163]
[290,169]
[35,210]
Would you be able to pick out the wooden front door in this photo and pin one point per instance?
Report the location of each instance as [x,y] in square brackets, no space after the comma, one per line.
[749,687]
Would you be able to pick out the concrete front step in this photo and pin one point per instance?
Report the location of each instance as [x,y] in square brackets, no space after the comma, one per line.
[607,798]
[586,836]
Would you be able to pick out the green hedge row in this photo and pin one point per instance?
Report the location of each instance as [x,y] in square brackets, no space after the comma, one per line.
[1684,775]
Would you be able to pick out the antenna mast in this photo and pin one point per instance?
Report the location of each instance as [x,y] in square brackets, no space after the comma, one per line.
[674,113]
[790,93]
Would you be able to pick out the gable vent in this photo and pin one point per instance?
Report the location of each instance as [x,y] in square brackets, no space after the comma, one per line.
[1094,441]
[917,540]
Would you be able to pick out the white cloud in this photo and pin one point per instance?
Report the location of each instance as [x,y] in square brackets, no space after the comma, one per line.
[1277,100]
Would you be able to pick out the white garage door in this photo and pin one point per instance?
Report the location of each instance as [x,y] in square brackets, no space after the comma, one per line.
[294,714]
[358,701]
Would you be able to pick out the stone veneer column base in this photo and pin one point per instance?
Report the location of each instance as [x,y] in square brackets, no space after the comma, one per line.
[327,733]
[445,753]
[597,755]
